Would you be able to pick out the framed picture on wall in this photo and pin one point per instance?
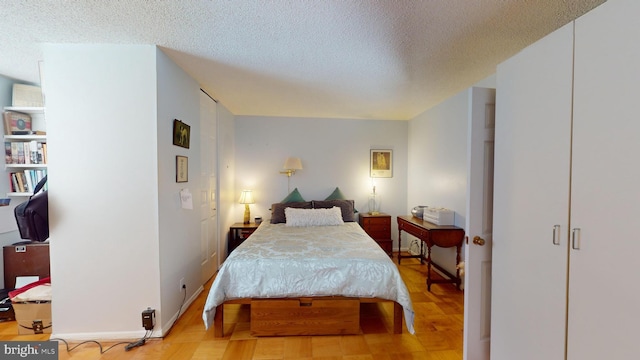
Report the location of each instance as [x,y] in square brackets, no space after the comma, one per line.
[381,163]
[182,169]
[181,133]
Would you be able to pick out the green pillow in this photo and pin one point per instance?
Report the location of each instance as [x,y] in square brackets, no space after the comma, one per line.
[338,195]
[293,196]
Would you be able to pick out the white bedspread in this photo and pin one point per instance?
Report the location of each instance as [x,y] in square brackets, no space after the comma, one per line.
[281,261]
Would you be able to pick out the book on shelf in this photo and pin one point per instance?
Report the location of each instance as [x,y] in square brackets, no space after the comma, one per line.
[25,152]
[36,152]
[26,181]
[21,184]
[14,153]
[8,159]
[29,181]
[44,153]
[14,182]
[21,158]
[26,149]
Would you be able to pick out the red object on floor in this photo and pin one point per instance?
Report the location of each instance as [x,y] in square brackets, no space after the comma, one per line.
[16,292]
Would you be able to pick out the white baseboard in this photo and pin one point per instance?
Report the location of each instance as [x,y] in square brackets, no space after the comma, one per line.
[128,335]
[187,302]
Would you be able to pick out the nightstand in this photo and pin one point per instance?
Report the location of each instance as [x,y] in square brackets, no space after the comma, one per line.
[379,228]
[238,233]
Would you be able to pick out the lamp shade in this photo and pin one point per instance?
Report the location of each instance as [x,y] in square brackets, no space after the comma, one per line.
[246,197]
[292,163]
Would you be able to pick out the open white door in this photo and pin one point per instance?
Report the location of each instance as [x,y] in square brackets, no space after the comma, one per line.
[477,279]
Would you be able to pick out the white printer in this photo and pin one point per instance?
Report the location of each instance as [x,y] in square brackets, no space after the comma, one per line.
[438,216]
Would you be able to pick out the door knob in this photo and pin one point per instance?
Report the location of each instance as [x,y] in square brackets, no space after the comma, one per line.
[478,240]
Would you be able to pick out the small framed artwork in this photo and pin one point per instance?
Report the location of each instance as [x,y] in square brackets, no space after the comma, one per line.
[182,169]
[181,133]
[381,163]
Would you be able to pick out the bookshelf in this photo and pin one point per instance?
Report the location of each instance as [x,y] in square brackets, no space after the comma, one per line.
[31,110]
[25,155]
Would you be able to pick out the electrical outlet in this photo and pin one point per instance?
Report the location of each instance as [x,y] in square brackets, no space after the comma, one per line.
[182,285]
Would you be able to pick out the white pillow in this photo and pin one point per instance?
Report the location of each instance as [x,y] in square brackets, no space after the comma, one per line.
[313,217]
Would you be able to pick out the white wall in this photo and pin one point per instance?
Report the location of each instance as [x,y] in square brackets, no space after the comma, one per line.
[119,240]
[438,164]
[334,153]
[437,175]
[179,229]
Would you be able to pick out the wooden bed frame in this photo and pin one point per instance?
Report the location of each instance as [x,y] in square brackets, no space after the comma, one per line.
[312,326]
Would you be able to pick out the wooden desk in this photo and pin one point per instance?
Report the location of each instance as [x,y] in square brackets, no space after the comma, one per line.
[445,236]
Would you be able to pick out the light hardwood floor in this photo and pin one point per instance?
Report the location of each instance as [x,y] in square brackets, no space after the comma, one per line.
[438,325]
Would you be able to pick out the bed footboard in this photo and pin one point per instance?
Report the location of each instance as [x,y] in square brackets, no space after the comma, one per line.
[300,329]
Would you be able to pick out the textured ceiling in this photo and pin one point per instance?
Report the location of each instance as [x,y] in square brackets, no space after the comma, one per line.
[368,59]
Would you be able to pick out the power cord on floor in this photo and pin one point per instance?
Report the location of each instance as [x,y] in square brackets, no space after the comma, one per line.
[128,347]
[140,342]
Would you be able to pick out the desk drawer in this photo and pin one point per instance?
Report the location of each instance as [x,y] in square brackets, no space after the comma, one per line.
[372,221]
[412,229]
[447,238]
[385,228]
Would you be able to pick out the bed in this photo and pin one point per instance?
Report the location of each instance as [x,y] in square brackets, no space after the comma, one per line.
[332,267]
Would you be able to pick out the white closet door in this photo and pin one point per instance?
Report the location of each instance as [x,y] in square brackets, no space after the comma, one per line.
[209,259]
[604,289]
[531,199]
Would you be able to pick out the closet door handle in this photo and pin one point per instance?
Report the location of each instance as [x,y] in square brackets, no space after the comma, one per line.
[556,235]
[575,239]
